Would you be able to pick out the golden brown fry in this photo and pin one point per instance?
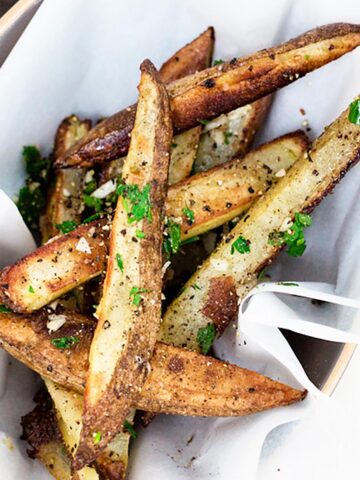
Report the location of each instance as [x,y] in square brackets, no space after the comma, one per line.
[180,381]
[208,195]
[51,270]
[230,135]
[223,88]
[129,313]
[183,153]
[227,274]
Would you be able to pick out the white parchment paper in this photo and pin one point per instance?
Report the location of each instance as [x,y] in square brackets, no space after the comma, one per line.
[82,56]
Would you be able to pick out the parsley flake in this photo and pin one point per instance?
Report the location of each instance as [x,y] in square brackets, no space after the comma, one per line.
[354,112]
[172,239]
[136,202]
[140,234]
[4,309]
[293,237]
[64,342]
[96,216]
[66,226]
[173,145]
[97,437]
[136,292]
[119,262]
[240,245]
[205,337]
[288,284]
[204,122]
[92,202]
[189,240]
[128,427]
[195,286]
[189,214]
[31,289]
[90,187]
[227,136]
[218,62]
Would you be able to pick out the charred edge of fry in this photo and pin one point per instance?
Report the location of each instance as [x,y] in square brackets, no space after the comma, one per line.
[191,58]
[200,96]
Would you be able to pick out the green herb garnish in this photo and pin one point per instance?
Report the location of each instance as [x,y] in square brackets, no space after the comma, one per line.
[307,57]
[293,237]
[354,112]
[173,145]
[140,234]
[189,214]
[218,62]
[227,136]
[97,437]
[36,167]
[195,286]
[204,122]
[4,309]
[205,337]
[136,292]
[31,202]
[288,284]
[240,245]
[96,216]
[128,427]
[172,240]
[90,187]
[64,342]
[136,202]
[119,262]
[189,240]
[66,227]
[31,289]
[93,202]
[261,274]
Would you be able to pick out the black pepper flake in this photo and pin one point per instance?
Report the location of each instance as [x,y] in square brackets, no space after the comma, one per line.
[252,390]
[246,218]
[106,325]
[206,208]
[272,56]
[233,61]
[209,83]
[315,172]
[49,368]
[123,231]
[251,68]
[251,190]
[331,47]
[267,168]
[228,205]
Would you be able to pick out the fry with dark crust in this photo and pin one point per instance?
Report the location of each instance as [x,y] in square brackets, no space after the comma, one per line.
[180,382]
[129,313]
[300,190]
[215,197]
[220,89]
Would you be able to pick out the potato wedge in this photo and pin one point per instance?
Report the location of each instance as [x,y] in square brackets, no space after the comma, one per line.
[129,313]
[183,153]
[68,406]
[65,202]
[51,270]
[226,275]
[226,191]
[220,89]
[179,380]
[208,195]
[230,135]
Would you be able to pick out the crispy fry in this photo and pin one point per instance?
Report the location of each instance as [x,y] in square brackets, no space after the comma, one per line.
[180,381]
[208,195]
[221,89]
[129,313]
[230,135]
[68,405]
[64,202]
[226,275]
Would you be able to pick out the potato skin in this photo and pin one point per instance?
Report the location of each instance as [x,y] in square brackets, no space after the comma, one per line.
[223,88]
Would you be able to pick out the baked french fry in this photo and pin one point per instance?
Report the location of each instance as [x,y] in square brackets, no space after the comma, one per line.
[220,89]
[129,312]
[230,135]
[214,197]
[65,197]
[180,381]
[68,406]
[227,274]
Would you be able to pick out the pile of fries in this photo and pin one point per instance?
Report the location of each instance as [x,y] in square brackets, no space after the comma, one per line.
[164,196]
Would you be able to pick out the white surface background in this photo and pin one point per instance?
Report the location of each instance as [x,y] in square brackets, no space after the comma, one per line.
[84,58]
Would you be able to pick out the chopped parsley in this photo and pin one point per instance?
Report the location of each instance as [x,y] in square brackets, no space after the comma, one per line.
[307,57]
[4,309]
[135,293]
[31,289]
[204,122]
[32,197]
[288,284]
[128,427]
[93,202]
[66,226]
[189,240]
[189,214]
[205,337]
[119,262]
[97,437]
[261,274]
[195,286]
[172,238]
[173,145]
[293,237]
[140,234]
[96,216]
[354,112]
[64,342]
[227,136]
[136,202]
[90,187]
[240,245]
[218,62]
